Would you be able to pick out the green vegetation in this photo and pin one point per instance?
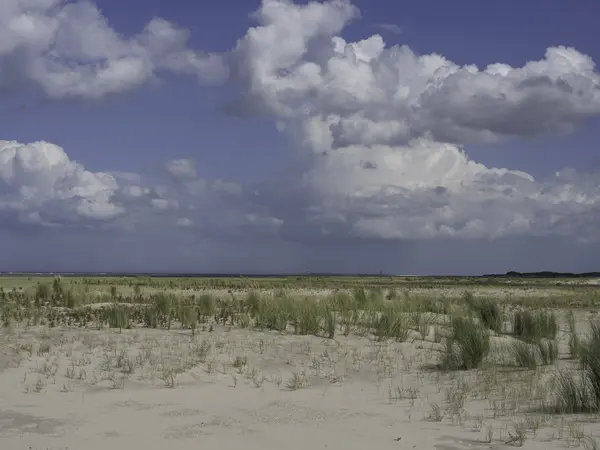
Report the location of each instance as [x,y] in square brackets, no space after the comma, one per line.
[524,354]
[579,392]
[488,312]
[468,346]
[553,292]
[463,328]
[534,325]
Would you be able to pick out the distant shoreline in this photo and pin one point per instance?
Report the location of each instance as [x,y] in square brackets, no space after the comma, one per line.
[511,274]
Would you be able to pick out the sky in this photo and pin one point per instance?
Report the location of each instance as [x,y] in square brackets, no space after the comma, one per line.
[413,137]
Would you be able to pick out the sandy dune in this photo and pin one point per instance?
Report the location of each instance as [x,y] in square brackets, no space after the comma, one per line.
[228,389]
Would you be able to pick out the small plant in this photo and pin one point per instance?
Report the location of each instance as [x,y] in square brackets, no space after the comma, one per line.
[519,434]
[128,366]
[436,414]
[360,298]
[191,318]
[330,317]
[581,393]
[455,401]
[489,434]
[118,316]
[117,379]
[28,347]
[298,380]
[533,326]
[277,380]
[240,361]
[258,378]
[396,393]
[467,347]
[487,311]
[47,369]
[169,376]
[243,321]
[589,443]
[201,350]
[70,372]
[39,385]
[478,422]
[210,366]
[574,342]
[106,363]
[548,351]
[42,293]
[44,348]
[524,354]
[576,433]
[571,394]
[390,323]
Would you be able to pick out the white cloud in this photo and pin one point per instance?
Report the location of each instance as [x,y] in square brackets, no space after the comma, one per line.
[429,190]
[41,185]
[164,204]
[39,182]
[184,222]
[182,169]
[297,66]
[381,128]
[420,191]
[391,28]
[70,50]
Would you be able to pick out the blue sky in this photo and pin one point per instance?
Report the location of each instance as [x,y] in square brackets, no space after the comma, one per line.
[166,136]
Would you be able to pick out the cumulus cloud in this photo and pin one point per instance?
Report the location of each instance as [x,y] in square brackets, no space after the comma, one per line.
[70,50]
[429,190]
[383,130]
[380,131]
[41,186]
[182,169]
[297,66]
[39,183]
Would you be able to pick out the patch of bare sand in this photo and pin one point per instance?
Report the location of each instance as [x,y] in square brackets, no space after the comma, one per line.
[500,292]
[152,389]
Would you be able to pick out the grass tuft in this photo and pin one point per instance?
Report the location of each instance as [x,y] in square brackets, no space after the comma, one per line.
[580,392]
[391,323]
[574,342]
[533,326]
[468,346]
[487,311]
[525,355]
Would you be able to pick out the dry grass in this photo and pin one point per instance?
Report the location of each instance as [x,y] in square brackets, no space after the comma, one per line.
[463,361]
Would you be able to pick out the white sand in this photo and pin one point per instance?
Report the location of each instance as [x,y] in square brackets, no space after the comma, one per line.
[356,394]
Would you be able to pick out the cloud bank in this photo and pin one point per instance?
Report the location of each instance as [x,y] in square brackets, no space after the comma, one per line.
[378,131]
[68,49]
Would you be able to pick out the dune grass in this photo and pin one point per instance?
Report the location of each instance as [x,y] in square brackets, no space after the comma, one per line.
[579,391]
[488,311]
[463,335]
[468,345]
[525,355]
[534,325]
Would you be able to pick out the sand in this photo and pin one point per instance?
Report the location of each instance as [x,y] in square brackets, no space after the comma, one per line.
[228,389]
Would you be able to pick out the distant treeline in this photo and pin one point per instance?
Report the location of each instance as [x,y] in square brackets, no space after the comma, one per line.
[513,274]
[194,275]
